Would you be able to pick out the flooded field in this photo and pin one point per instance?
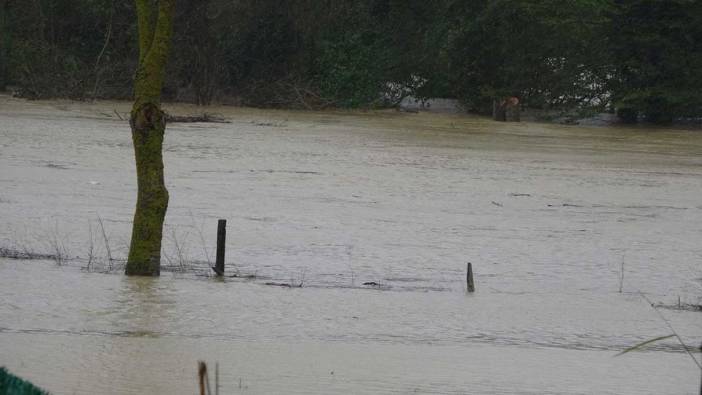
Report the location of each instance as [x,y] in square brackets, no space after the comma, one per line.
[549,215]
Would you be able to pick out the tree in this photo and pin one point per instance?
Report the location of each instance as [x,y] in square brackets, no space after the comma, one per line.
[656,48]
[545,52]
[148,123]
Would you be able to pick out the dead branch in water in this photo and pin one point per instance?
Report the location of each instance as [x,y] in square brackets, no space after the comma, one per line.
[26,254]
[91,247]
[205,117]
[107,243]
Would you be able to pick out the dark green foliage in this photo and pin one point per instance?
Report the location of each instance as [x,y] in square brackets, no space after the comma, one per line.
[347,71]
[5,41]
[51,46]
[640,57]
[657,52]
[13,385]
[543,52]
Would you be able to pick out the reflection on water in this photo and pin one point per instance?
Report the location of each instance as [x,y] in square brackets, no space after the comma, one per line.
[142,307]
[117,334]
[548,215]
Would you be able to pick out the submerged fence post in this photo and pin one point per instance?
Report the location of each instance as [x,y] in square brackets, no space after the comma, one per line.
[470,285]
[221,239]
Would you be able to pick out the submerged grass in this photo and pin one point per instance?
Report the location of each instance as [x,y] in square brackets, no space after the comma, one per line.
[657,339]
[643,344]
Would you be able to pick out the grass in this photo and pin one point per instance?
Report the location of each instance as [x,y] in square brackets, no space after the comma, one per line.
[178,257]
[51,243]
[57,246]
[107,242]
[13,385]
[675,334]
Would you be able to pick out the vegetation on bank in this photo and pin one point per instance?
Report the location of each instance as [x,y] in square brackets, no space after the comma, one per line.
[642,58]
[13,385]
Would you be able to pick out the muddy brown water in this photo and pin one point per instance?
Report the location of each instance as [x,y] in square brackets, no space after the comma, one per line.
[547,214]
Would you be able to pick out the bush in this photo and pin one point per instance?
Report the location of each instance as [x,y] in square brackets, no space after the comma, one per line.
[348,72]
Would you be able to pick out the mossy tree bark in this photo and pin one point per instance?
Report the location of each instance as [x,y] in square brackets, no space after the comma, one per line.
[148,125]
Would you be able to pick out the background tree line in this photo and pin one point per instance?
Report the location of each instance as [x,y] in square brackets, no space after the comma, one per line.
[642,57]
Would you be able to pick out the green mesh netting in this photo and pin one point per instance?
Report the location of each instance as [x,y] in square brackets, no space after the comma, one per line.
[13,385]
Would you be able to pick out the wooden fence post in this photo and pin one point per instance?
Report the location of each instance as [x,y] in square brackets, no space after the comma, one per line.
[221,239]
[470,285]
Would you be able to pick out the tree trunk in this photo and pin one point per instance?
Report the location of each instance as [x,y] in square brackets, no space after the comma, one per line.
[148,125]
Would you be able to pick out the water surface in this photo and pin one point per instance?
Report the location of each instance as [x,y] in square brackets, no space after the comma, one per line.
[547,214]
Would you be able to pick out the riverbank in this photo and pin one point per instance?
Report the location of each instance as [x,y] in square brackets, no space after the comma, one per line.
[119,109]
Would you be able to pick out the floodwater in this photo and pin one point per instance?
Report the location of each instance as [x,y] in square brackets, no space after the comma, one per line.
[548,215]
